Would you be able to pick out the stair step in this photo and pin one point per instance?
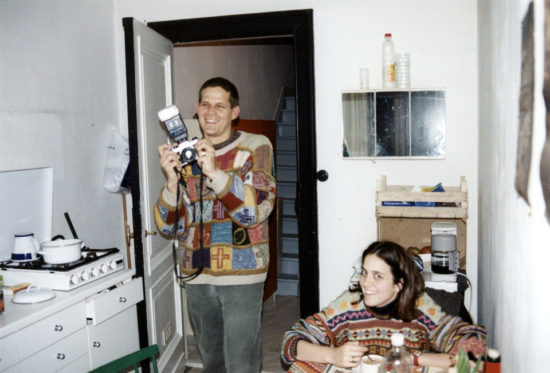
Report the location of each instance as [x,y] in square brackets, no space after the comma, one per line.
[286,190]
[290,225]
[286,174]
[290,264]
[284,129]
[286,143]
[288,208]
[288,287]
[289,244]
[286,158]
[287,117]
[290,103]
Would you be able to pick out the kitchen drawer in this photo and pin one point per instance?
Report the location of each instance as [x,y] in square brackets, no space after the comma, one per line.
[51,329]
[104,305]
[10,352]
[81,364]
[56,356]
[113,338]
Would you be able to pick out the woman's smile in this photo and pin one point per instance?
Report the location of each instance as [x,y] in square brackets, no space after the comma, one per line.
[377,282]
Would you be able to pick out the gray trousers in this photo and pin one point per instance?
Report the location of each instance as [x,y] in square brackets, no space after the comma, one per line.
[227,324]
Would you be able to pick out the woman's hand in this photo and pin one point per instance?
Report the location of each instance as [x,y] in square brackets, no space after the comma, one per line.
[348,355]
[171,164]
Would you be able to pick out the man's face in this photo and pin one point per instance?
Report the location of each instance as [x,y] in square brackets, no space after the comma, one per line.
[215,114]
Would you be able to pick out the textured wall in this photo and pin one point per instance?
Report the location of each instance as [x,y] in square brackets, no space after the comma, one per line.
[58,102]
[513,237]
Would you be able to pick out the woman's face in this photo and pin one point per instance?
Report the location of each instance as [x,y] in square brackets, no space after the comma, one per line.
[377,282]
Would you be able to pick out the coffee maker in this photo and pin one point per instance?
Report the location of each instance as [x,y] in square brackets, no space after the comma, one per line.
[444,257]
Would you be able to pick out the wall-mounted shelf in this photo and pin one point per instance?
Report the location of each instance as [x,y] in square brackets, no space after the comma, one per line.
[405,216]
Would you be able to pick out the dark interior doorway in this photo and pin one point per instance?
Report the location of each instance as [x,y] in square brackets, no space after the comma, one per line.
[297,24]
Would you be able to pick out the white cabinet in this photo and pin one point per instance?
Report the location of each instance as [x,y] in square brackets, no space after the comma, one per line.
[55,356]
[75,332]
[112,319]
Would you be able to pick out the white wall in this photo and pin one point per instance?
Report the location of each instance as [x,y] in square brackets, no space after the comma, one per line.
[58,101]
[348,35]
[513,238]
[258,71]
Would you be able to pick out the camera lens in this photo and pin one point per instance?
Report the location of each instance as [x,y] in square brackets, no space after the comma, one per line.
[188,154]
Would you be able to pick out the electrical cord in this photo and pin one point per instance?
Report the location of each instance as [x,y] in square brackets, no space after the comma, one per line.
[469,286]
[182,279]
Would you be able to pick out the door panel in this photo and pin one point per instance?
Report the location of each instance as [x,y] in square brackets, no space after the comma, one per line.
[152,88]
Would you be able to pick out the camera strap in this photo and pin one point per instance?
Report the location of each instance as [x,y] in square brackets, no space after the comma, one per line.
[182,279]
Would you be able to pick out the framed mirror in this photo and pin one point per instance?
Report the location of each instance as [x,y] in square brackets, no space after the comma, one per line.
[397,124]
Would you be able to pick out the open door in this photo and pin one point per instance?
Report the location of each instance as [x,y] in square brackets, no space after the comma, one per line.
[149,89]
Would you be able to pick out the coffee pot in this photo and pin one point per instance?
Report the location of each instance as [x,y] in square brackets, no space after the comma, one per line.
[444,257]
[25,247]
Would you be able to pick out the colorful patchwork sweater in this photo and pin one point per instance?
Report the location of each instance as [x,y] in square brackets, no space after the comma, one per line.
[342,321]
[236,205]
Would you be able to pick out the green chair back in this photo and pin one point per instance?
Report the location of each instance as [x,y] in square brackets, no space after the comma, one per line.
[132,360]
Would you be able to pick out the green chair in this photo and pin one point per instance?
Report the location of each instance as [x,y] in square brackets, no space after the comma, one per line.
[132,360]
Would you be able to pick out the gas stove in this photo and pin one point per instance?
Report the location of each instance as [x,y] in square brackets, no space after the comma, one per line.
[92,265]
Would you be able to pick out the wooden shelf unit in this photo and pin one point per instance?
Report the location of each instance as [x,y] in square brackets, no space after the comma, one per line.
[410,225]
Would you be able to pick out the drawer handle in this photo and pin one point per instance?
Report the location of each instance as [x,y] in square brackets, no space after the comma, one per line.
[96,344]
[122,299]
[58,328]
[60,356]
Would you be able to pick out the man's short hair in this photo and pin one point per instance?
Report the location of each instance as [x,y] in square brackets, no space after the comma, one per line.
[224,84]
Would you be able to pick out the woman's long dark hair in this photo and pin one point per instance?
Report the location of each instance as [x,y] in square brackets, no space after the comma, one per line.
[404,270]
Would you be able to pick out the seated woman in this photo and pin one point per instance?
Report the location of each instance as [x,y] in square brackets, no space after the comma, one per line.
[389,298]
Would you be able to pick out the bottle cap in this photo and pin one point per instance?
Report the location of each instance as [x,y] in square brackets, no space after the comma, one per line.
[387,35]
[493,355]
[397,339]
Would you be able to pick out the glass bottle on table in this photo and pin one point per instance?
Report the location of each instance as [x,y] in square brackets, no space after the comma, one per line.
[397,359]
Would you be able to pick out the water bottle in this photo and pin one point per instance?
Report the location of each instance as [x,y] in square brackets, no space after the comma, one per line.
[388,62]
[397,359]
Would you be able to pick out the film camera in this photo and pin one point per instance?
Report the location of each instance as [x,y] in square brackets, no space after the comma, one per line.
[177,131]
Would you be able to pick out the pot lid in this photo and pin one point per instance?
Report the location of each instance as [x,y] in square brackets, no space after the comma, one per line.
[33,294]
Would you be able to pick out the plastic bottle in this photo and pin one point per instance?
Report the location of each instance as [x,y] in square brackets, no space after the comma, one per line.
[388,62]
[492,361]
[397,359]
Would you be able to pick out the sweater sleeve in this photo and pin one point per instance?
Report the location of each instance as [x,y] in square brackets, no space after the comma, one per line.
[448,331]
[312,329]
[451,331]
[165,212]
[248,191]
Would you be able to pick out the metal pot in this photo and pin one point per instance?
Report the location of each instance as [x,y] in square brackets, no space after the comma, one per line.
[61,251]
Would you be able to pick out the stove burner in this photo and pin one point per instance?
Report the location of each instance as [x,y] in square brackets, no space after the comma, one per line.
[88,256]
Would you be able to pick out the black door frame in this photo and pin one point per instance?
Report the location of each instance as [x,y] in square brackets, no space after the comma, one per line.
[299,25]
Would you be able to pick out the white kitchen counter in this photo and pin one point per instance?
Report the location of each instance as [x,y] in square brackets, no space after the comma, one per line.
[18,316]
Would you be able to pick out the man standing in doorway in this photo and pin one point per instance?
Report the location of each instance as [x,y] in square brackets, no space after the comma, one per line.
[229,192]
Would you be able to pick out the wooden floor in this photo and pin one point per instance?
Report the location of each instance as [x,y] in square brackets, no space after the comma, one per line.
[278,315]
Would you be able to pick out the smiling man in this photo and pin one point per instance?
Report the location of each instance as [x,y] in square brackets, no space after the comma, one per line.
[229,192]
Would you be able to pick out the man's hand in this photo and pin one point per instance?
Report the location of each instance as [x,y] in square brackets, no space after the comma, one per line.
[171,165]
[206,157]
